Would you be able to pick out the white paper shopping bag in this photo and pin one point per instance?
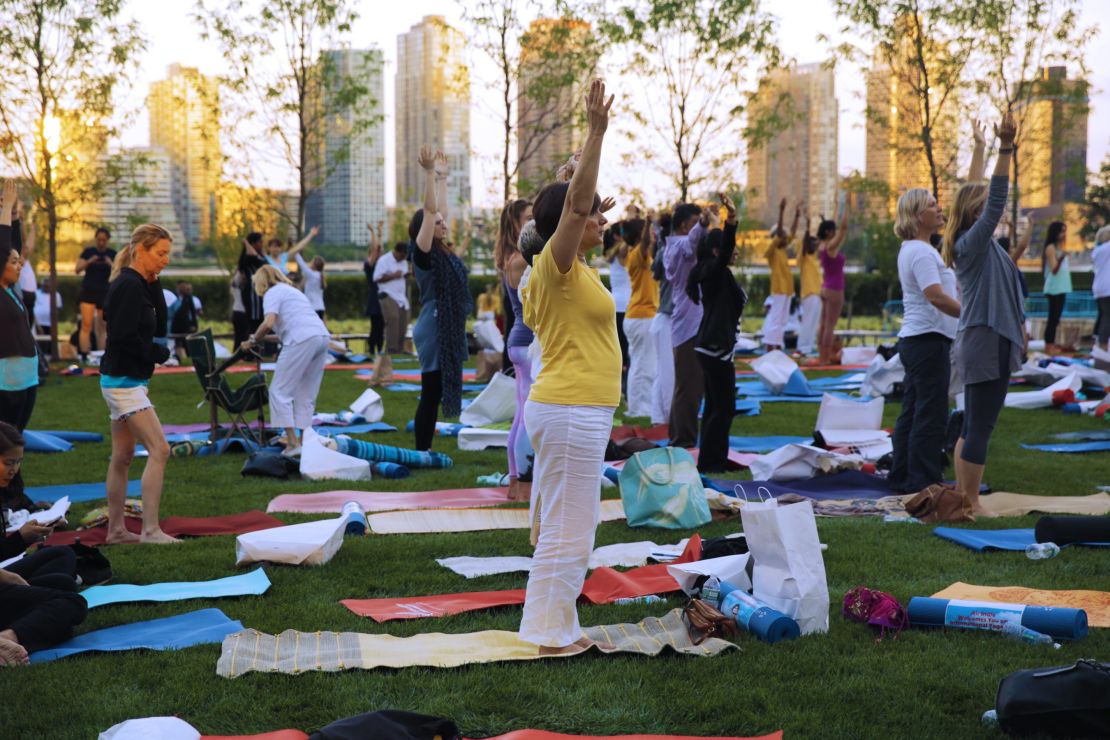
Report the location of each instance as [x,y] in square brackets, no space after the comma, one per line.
[496,403]
[311,543]
[789,571]
[774,369]
[369,405]
[319,462]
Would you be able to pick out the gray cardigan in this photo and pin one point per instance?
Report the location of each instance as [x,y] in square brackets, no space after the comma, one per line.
[990,283]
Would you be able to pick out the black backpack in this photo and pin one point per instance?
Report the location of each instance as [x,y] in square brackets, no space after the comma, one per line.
[92,567]
[1065,701]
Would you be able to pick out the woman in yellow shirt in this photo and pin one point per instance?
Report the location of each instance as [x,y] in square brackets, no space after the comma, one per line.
[569,412]
[782,280]
[810,273]
[639,234]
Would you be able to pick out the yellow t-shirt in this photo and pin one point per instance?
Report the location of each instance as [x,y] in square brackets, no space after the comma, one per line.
[575,320]
[810,273]
[782,280]
[645,290]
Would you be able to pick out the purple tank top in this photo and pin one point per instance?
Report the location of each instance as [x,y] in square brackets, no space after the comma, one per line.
[834,270]
[520,335]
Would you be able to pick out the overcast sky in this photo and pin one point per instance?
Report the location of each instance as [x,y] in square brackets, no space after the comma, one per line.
[174,38]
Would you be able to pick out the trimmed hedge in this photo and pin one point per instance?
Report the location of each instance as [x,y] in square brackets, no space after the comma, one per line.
[346,294]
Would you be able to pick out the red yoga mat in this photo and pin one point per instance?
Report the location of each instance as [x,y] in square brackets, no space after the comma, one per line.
[657,433]
[177,526]
[275,735]
[604,586]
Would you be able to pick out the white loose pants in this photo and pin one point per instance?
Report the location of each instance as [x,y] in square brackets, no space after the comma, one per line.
[811,321]
[662,390]
[296,382]
[774,326]
[570,447]
[642,365]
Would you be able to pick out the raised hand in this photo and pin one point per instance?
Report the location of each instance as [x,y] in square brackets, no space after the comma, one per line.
[979,132]
[607,204]
[8,198]
[426,159]
[567,170]
[597,108]
[782,205]
[1006,130]
[729,206]
[313,232]
[441,164]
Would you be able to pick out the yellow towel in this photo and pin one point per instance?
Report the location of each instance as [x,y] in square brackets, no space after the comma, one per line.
[1095,603]
[466,520]
[1019,504]
[296,652]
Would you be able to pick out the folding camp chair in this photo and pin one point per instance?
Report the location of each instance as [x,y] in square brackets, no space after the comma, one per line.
[250,396]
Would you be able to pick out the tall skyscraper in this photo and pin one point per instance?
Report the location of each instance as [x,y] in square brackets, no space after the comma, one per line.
[895,152]
[799,162]
[552,79]
[1052,158]
[433,108]
[140,190]
[353,192]
[185,122]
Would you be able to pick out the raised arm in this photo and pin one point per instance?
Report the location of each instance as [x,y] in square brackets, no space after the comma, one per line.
[428,226]
[1019,246]
[978,162]
[794,223]
[441,184]
[374,249]
[647,238]
[583,184]
[299,246]
[728,242]
[980,232]
[841,231]
[7,202]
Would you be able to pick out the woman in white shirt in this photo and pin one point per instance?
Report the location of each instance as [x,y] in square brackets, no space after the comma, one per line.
[924,344]
[304,352]
[312,273]
[1100,258]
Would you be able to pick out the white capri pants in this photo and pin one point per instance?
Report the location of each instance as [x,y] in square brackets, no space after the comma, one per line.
[811,320]
[642,365]
[662,389]
[570,448]
[296,383]
[774,326]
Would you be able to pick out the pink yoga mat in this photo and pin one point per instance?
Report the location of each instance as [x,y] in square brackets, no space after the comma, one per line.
[544,735]
[604,586]
[332,501]
[177,526]
[275,735]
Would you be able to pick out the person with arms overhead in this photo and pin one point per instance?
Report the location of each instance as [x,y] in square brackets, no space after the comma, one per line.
[782,280]
[95,263]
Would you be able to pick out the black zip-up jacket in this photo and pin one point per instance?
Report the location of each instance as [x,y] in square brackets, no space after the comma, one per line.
[722,300]
[135,312]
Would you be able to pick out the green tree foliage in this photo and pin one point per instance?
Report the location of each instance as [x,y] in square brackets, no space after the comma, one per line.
[1097,205]
[543,71]
[699,60]
[281,80]
[61,65]
[920,49]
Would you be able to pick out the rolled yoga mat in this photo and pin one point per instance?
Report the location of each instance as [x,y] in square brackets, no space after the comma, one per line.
[1059,622]
[1071,530]
[43,442]
[69,436]
[390,471]
[78,491]
[762,620]
[374,452]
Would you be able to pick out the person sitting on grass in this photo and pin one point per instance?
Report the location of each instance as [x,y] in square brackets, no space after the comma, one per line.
[34,615]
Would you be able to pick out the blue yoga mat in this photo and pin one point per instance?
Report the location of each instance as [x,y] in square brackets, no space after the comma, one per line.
[843,485]
[44,442]
[378,453]
[747,407]
[69,436]
[78,491]
[1093,446]
[202,627]
[764,444]
[443,428]
[254,583]
[1059,622]
[392,471]
[365,428]
[980,540]
[402,387]
[1092,436]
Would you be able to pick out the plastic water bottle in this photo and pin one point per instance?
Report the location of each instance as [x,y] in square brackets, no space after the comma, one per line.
[1042,550]
[356,518]
[990,718]
[1015,631]
[711,590]
[641,600]
[905,519]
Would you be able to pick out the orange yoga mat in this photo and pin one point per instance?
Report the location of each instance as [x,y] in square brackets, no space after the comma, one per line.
[177,526]
[275,735]
[604,586]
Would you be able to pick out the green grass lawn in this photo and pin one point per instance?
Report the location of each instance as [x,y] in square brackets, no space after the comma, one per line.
[843,684]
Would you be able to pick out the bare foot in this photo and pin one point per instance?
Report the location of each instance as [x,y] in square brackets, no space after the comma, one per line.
[121,538]
[12,653]
[158,537]
[978,510]
[580,645]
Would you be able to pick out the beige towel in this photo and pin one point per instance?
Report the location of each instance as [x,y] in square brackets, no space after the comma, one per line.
[1095,603]
[297,652]
[467,520]
[1019,504]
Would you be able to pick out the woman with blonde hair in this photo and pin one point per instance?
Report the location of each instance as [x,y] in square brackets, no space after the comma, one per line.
[991,331]
[135,312]
[924,345]
[304,352]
